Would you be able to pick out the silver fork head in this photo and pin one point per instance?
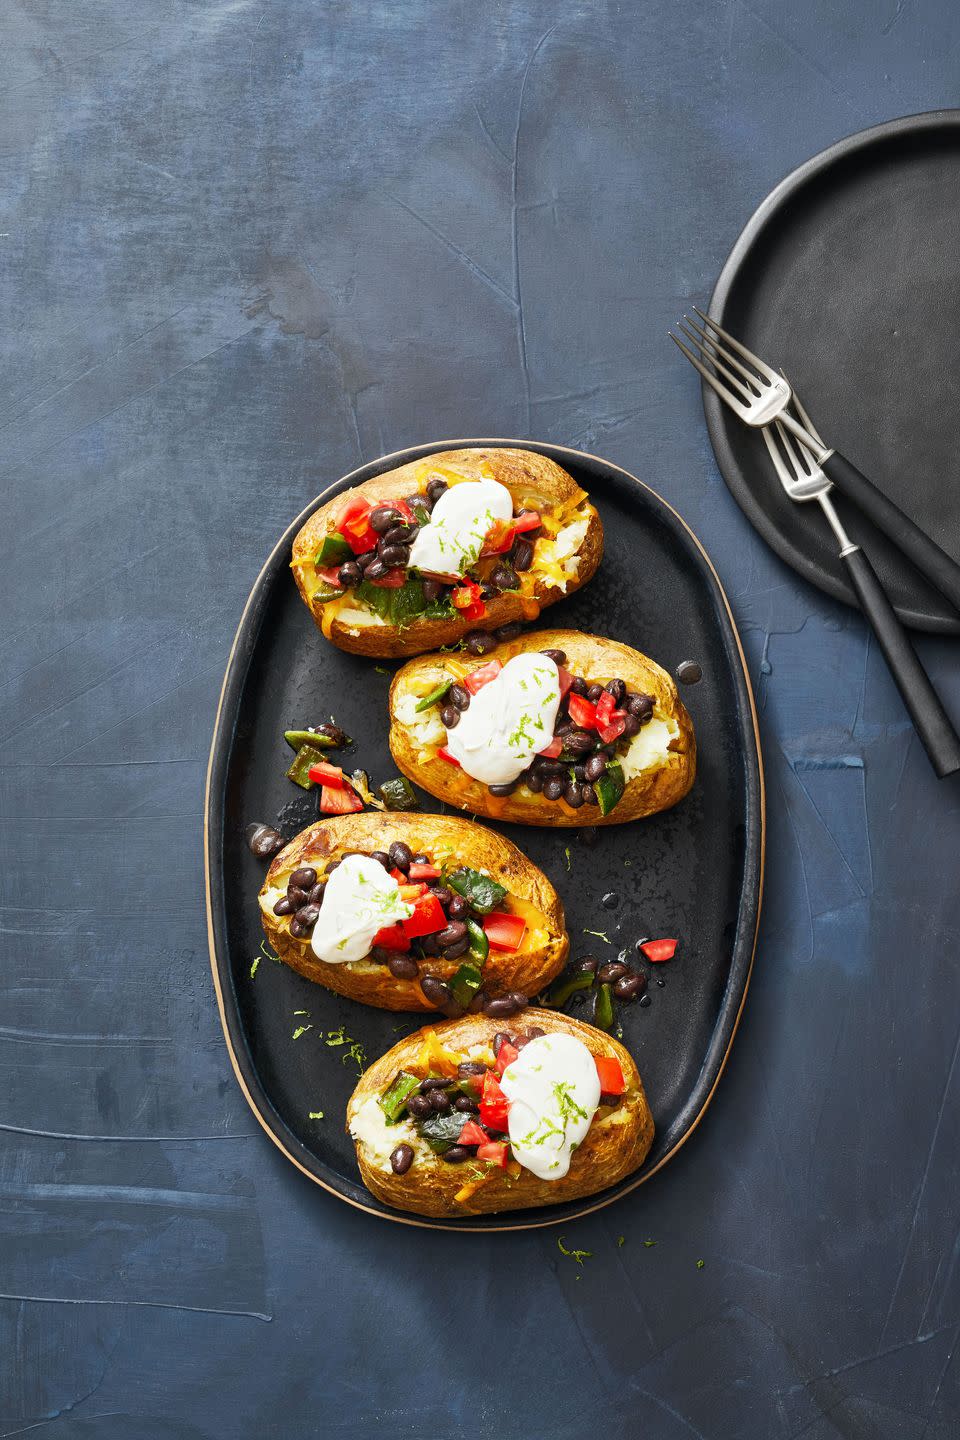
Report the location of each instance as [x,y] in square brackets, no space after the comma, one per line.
[753,390]
[802,478]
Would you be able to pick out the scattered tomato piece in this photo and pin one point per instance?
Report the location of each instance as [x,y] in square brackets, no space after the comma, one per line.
[657,950]
[393,580]
[444,754]
[526,520]
[339,802]
[551,751]
[507,1054]
[504,931]
[478,678]
[493,1104]
[331,574]
[324,774]
[471,1134]
[495,1152]
[423,872]
[566,680]
[582,712]
[392,937]
[605,708]
[428,916]
[613,731]
[611,1075]
[465,594]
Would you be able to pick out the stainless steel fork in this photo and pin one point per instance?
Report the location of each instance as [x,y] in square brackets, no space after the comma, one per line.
[758,395]
[803,478]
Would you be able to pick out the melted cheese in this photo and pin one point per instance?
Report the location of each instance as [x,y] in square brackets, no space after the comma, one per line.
[649,747]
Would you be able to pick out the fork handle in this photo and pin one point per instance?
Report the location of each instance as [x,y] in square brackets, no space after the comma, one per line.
[930,720]
[930,560]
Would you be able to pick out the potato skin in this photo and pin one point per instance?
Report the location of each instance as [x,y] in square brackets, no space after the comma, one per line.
[524,473]
[605,1157]
[473,845]
[654,790]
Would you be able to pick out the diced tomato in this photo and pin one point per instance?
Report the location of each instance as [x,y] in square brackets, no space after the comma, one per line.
[403,509]
[392,937]
[428,916]
[339,802]
[657,950]
[471,1134]
[526,520]
[613,731]
[476,611]
[611,1075]
[582,712]
[493,1104]
[331,574]
[504,931]
[478,678]
[354,526]
[605,708]
[551,751]
[393,580]
[465,594]
[444,754]
[423,872]
[324,774]
[495,1152]
[566,680]
[507,1054]
[398,875]
[499,539]
[409,893]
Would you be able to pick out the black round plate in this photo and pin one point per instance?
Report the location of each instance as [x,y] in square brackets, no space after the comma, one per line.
[846,277]
[694,872]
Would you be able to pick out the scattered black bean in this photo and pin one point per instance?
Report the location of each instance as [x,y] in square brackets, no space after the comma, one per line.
[401,534]
[617,689]
[612,971]
[284,906]
[477,1003]
[451,934]
[478,642]
[506,789]
[383,518]
[588,965]
[639,704]
[443,894]
[573,794]
[375,570]
[594,768]
[419,1106]
[594,692]
[470,1067]
[439,1102]
[349,574]
[578,686]
[520,1000]
[458,948]
[457,1154]
[508,632]
[400,856]
[394,555]
[439,994]
[522,555]
[381,857]
[501,1038]
[579,742]
[403,967]
[432,590]
[331,865]
[297,897]
[435,489]
[505,578]
[553,788]
[304,878]
[459,907]
[450,716]
[458,695]
[401,1159]
[307,916]
[315,897]
[264,841]
[466,1104]
[628,987]
[500,1008]
[589,795]
[631,726]
[546,766]
[535,1032]
[365,560]
[533,779]
[557,656]
[297,930]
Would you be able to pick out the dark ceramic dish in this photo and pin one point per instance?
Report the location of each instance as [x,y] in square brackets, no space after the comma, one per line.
[846,277]
[694,872]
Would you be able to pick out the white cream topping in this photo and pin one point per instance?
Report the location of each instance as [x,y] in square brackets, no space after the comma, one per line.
[509,720]
[554,1090]
[359,899]
[649,747]
[459,523]
[368,1126]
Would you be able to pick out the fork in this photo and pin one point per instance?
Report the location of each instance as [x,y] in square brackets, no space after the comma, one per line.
[758,394]
[804,479]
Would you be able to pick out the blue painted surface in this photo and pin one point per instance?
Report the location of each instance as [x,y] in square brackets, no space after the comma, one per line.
[245,246]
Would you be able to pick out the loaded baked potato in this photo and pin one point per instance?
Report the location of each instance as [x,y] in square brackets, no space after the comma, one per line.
[463,1119]
[414,912]
[462,541]
[553,728]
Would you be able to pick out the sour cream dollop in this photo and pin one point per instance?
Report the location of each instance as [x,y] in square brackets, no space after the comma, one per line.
[459,523]
[509,720]
[554,1090]
[359,899]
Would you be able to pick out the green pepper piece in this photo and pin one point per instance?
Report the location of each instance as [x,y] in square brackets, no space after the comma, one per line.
[479,944]
[465,984]
[306,756]
[399,794]
[609,788]
[442,1131]
[483,893]
[394,1099]
[296,739]
[435,695]
[562,989]
[334,550]
[603,1008]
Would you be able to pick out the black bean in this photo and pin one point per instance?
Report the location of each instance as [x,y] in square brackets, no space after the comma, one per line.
[578,686]
[264,841]
[284,906]
[400,856]
[579,742]
[594,768]
[508,632]
[533,779]
[365,560]
[331,865]
[501,1038]
[553,788]
[383,518]
[375,570]
[631,726]
[470,1067]
[307,916]
[435,1082]
[419,1106]
[440,996]
[304,879]
[297,897]
[450,716]
[458,948]
[589,795]
[401,1159]
[535,1032]
[587,965]
[506,789]
[435,489]
[458,695]
[454,932]
[379,956]
[505,578]
[349,573]
[431,590]
[646,717]
[522,555]
[315,896]
[443,894]
[480,643]
[594,692]
[401,534]
[459,908]
[381,857]
[557,656]
[612,971]
[549,767]
[394,555]
[297,930]
[573,795]
[617,689]
[466,1104]
[628,987]
[640,704]
[421,859]
[500,1008]
[519,999]
[439,1102]
[403,967]
[457,1154]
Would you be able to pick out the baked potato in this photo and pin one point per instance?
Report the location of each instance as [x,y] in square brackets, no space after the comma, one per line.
[618,719]
[426,1163]
[408,562]
[484,922]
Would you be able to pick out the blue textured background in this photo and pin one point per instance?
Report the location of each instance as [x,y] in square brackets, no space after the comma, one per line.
[243,247]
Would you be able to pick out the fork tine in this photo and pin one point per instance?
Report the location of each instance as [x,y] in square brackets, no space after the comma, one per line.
[801,471]
[705,354]
[804,417]
[725,395]
[786,479]
[764,369]
[728,355]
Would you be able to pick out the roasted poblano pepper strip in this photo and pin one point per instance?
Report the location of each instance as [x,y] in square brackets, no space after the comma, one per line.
[399,794]
[465,984]
[483,893]
[603,1008]
[609,788]
[479,944]
[299,771]
[296,739]
[442,1131]
[393,1101]
[333,551]
[562,988]
[325,592]
[436,694]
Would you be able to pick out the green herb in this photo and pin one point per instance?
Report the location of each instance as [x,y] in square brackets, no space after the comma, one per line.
[254,967]
[482,892]
[299,771]
[450,649]
[381,669]
[603,1008]
[353,1049]
[562,989]
[700,1264]
[393,1101]
[610,787]
[442,1131]
[301,1030]
[301,1012]
[315,1115]
[465,984]
[420,511]
[479,944]
[600,935]
[578,1255]
[437,693]
[333,550]
[566,856]
[621,1241]
[268,954]
[399,794]
[567,1106]
[649,1244]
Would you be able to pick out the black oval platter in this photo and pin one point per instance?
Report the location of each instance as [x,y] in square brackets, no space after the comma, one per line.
[694,872]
